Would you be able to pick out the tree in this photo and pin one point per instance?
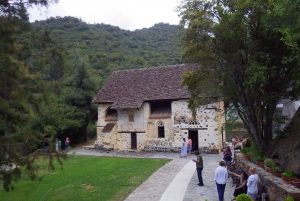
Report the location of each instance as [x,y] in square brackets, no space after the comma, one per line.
[19,91]
[249,56]
[79,92]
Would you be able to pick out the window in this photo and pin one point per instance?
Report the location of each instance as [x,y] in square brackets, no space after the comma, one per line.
[160,110]
[131,118]
[111,115]
[161,130]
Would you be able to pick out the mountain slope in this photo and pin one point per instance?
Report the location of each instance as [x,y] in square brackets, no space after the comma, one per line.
[108,48]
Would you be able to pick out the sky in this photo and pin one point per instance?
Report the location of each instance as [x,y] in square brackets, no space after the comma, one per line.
[126,14]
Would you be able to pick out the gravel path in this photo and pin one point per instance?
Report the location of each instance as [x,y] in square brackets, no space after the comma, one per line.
[153,188]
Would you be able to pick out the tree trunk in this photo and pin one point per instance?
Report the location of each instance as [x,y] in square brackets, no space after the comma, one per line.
[6,125]
[270,110]
[84,132]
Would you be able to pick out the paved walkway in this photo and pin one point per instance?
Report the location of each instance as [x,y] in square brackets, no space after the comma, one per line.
[177,180]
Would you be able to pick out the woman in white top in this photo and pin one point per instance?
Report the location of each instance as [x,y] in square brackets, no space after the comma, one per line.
[252,184]
[221,176]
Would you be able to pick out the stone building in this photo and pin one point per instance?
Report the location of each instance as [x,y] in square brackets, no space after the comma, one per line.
[147,109]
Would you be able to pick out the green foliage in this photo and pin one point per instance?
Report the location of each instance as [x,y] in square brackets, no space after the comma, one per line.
[249,57]
[22,89]
[243,197]
[289,173]
[244,150]
[269,162]
[100,178]
[50,72]
[276,168]
[289,198]
[107,45]
[256,153]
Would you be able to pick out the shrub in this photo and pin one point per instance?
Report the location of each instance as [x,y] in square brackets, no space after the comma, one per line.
[269,162]
[256,153]
[276,168]
[244,150]
[289,174]
[243,197]
[289,198]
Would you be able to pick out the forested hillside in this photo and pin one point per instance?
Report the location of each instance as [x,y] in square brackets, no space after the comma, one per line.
[108,48]
[52,69]
[66,61]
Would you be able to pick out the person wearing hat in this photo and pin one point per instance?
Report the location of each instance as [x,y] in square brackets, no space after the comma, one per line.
[67,142]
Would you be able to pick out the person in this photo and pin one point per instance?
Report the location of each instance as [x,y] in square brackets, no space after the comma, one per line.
[67,142]
[227,157]
[242,189]
[56,144]
[189,145]
[45,146]
[59,145]
[232,142]
[183,148]
[199,167]
[221,176]
[252,189]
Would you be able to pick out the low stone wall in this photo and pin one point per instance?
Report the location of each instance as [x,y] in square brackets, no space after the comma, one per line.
[276,188]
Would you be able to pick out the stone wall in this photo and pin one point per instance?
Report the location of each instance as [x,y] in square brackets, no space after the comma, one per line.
[276,188]
[208,123]
[209,120]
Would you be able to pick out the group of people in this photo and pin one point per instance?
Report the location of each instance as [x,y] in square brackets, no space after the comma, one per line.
[57,145]
[222,172]
[186,147]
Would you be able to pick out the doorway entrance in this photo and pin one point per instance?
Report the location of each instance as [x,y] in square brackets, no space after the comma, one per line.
[193,134]
[133,141]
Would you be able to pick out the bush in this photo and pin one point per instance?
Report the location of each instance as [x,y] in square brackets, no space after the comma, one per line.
[243,197]
[256,153]
[244,150]
[289,198]
[269,162]
[289,174]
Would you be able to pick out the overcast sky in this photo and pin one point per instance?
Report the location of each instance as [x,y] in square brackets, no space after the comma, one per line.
[127,14]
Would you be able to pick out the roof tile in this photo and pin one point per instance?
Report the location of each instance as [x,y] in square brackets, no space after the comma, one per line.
[130,88]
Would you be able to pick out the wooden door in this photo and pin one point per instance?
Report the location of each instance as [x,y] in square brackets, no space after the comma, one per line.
[133,141]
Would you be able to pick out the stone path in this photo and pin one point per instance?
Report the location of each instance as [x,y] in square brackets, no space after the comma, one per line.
[155,188]
[177,188]
[209,190]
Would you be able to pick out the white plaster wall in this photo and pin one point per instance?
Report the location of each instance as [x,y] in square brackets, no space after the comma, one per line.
[101,113]
[123,120]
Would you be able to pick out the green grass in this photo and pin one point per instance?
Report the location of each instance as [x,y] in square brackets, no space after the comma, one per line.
[85,178]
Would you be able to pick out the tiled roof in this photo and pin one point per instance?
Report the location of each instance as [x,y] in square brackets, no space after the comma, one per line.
[130,88]
[108,127]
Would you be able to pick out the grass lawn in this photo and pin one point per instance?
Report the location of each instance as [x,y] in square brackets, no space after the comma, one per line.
[85,178]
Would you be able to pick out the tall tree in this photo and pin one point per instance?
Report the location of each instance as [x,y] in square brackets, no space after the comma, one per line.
[79,92]
[249,56]
[19,91]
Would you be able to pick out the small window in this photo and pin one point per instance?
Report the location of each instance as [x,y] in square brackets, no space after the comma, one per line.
[161,130]
[131,118]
